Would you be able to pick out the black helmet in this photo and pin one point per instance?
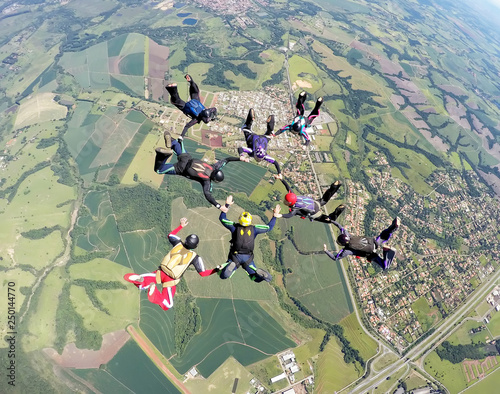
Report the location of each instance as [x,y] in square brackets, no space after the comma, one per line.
[206,115]
[343,239]
[191,241]
[217,176]
[298,123]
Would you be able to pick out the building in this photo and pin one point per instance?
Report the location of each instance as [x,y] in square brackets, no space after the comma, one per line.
[289,391]
[278,378]
[294,368]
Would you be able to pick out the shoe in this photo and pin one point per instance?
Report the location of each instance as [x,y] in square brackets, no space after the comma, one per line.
[133,278]
[302,94]
[168,139]
[171,85]
[319,100]
[389,254]
[163,151]
[264,274]
[270,124]
[338,211]
[396,222]
[188,77]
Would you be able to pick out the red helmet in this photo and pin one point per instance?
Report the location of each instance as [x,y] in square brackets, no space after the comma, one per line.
[290,199]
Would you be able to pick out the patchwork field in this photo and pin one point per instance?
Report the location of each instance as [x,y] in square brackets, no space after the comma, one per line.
[38,109]
[232,327]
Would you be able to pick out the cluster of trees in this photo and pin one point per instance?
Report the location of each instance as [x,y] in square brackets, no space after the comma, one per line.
[187,321]
[458,353]
[67,320]
[40,233]
[140,208]
[91,286]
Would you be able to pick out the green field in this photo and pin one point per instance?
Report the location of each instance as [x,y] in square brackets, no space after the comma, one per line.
[316,281]
[122,304]
[426,317]
[303,74]
[462,336]
[130,371]
[451,375]
[489,384]
[222,380]
[237,328]
[331,372]
[494,324]
[268,369]
[384,361]
[358,338]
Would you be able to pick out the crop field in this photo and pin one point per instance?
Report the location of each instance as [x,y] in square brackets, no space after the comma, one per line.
[358,338]
[38,109]
[214,248]
[234,327]
[303,74]
[316,280]
[309,236]
[451,375]
[488,384]
[91,8]
[222,380]
[41,324]
[332,373]
[157,324]
[240,176]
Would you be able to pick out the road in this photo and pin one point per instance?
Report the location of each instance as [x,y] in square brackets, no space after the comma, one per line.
[428,344]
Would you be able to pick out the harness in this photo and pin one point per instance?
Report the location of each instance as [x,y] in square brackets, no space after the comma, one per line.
[306,205]
[175,263]
[259,145]
[193,108]
[201,169]
[362,245]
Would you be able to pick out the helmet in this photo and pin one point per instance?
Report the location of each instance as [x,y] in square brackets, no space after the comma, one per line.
[191,241]
[260,153]
[290,199]
[298,123]
[217,176]
[205,115]
[245,219]
[343,239]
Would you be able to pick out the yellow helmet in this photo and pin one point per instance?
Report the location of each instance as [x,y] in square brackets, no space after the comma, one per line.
[245,219]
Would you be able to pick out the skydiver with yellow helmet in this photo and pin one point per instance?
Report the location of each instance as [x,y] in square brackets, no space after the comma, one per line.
[243,242]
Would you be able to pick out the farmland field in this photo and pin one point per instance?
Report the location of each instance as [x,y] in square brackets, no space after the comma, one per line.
[451,375]
[358,338]
[235,327]
[38,109]
[315,280]
[332,373]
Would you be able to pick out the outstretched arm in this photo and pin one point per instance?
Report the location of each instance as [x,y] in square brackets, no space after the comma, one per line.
[206,184]
[283,129]
[271,160]
[172,237]
[188,125]
[223,162]
[340,255]
[222,217]
[200,267]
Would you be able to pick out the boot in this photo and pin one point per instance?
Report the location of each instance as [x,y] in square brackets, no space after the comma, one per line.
[270,125]
[338,211]
[388,254]
[250,118]
[168,140]
[261,275]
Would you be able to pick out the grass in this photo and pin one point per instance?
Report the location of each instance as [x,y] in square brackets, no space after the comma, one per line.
[268,369]
[122,304]
[222,380]
[451,375]
[384,361]
[314,279]
[415,381]
[302,69]
[358,338]
[41,322]
[494,324]
[487,385]
[38,253]
[39,108]
[462,336]
[332,373]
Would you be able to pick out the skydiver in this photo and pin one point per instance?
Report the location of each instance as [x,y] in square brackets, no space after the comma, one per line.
[191,168]
[306,207]
[171,269]
[363,246]
[257,144]
[243,236]
[300,123]
[193,108]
